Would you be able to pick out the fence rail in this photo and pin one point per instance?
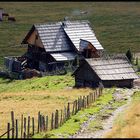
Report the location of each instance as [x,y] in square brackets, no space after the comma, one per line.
[26,129]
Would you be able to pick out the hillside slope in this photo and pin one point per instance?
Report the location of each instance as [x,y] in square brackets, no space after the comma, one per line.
[116,24]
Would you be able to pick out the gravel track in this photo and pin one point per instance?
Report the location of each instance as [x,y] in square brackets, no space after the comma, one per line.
[107,124]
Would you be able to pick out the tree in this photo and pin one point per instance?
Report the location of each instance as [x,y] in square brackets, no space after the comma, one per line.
[129,55]
[137,61]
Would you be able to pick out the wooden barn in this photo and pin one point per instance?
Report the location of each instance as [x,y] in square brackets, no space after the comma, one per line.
[56,43]
[111,71]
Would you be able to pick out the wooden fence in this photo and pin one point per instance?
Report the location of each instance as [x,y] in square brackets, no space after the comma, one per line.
[27,126]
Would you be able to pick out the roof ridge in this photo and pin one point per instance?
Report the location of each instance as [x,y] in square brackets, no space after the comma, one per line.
[57,22]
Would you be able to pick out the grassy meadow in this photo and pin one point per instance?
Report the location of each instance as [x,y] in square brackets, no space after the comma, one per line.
[116,24]
[44,94]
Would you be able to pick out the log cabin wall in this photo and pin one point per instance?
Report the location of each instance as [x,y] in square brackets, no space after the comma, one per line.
[113,71]
[35,40]
[86,77]
[119,83]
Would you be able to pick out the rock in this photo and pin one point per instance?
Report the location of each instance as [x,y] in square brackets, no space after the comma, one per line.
[105,117]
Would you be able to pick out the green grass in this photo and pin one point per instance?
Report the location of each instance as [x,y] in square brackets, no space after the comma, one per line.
[116,24]
[71,126]
[37,84]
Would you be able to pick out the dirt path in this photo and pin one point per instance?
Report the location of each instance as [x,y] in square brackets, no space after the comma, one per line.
[107,124]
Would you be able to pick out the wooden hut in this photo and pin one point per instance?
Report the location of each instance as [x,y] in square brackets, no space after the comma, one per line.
[110,71]
[60,42]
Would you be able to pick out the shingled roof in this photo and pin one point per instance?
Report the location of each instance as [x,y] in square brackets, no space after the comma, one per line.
[60,36]
[63,56]
[77,30]
[112,68]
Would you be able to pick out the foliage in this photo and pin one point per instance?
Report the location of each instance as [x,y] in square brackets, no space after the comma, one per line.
[137,60]
[138,67]
[129,55]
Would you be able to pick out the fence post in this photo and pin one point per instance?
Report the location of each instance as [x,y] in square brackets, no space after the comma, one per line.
[87,100]
[61,120]
[46,123]
[38,122]
[12,119]
[73,109]
[68,111]
[83,102]
[16,128]
[33,126]
[24,128]
[43,122]
[8,130]
[96,93]
[56,119]
[52,121]
[95,96]
[28,131]
[78,104]
[76,108]
[92,97]
[21,125]
[65,114]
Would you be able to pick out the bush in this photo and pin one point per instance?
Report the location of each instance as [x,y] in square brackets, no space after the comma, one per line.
[129,55]
[138,67]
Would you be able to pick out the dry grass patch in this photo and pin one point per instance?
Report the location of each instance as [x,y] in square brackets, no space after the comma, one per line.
[127,124]
[29,103]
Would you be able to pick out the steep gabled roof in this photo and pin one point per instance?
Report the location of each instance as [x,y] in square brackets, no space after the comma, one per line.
[115,68]
[52,37]
[77,30]
[60,35]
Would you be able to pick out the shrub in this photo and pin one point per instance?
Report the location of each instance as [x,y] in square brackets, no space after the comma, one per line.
[129,55]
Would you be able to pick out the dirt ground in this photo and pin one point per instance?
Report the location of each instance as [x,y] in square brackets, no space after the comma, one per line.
[108,123]
[137,55]
[137,83]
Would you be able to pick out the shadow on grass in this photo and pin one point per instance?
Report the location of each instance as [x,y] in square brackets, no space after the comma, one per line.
[5,78]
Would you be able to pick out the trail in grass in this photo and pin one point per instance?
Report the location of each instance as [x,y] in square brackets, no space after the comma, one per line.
[107,123]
